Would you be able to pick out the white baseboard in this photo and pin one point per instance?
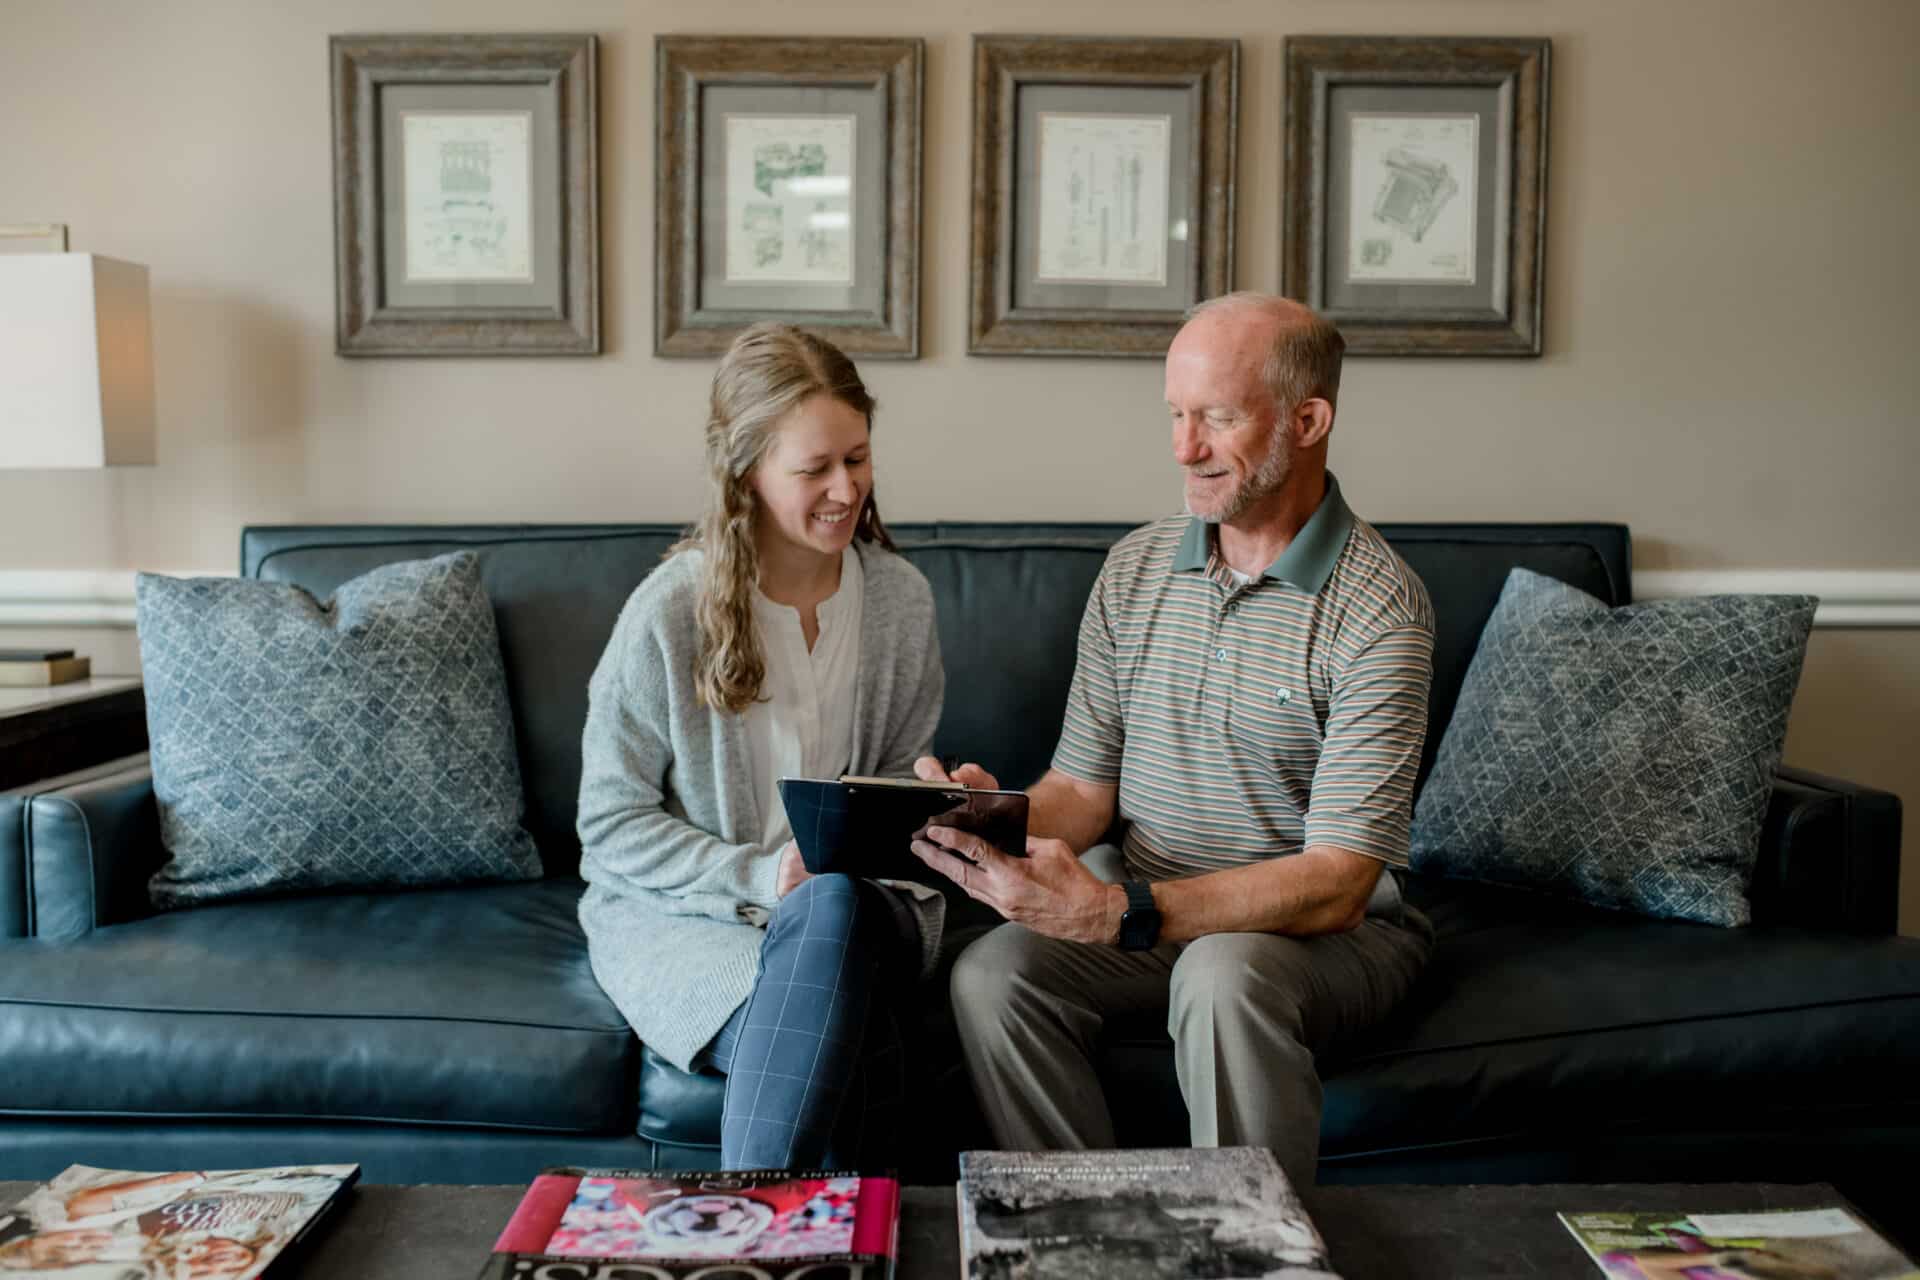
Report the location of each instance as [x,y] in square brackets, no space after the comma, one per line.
[1848,597]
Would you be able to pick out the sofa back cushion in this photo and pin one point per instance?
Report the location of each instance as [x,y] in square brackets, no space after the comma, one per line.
[1620,756]
[1008,596]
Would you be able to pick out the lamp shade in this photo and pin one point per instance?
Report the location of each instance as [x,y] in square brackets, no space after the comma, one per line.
[76,361]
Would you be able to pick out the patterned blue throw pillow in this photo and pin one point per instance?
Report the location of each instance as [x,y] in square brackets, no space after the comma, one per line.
[364,741]
[1621,756]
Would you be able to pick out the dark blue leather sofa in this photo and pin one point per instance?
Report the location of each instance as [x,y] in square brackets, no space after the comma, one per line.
[457,1035]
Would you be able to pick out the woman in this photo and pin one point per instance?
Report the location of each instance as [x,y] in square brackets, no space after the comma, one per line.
[782,637]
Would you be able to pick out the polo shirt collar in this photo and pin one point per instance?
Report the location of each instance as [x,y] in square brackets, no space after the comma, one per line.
[1307,562]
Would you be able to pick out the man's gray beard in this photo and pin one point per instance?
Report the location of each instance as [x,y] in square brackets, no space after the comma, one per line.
[1266,479]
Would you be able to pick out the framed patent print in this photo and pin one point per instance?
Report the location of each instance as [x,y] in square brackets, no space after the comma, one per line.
[787,187]
[465,195]
[1103,191]
[1416,181]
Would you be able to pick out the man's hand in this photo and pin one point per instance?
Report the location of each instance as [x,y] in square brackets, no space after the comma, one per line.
[1050,891]
[928,769]
[791,871]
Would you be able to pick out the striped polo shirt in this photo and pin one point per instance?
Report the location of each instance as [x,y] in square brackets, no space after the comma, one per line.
[1244,720]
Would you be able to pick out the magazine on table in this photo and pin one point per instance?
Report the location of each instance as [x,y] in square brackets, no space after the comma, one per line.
[1227,1213]
[616,1224]
[112,1224]
[1825,1243]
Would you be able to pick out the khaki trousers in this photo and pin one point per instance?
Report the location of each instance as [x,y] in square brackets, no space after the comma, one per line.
[1247,1012]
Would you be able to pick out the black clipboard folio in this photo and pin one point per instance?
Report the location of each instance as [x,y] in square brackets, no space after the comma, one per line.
[862,826]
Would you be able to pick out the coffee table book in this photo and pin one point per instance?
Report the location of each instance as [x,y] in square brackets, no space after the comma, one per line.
[233,1223]
[1822,1243]
[1227,1213]
[611,1224]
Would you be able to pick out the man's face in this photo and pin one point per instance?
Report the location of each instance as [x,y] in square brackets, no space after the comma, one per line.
[1227,433]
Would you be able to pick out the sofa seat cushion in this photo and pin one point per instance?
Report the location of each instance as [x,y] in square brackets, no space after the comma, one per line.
[460,1007]
[679,1108]
[1539,1015]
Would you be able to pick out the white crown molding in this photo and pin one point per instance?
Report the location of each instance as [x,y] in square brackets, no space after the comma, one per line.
[1848,597]
[74,597]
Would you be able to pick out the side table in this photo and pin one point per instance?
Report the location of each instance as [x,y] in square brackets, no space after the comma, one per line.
[56,730]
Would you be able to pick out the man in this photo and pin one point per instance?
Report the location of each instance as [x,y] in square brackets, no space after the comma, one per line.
[1251,698]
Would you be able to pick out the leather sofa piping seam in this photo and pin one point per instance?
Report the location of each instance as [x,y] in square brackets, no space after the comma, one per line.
[482,1125]
[28,882]
[623,1030]
[1656,1125]
[1340,1064]
[1649,1024]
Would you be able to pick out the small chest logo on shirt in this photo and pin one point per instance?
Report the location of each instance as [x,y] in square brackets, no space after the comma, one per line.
[1283,695]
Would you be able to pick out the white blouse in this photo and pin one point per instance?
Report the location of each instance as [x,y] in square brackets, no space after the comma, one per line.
[802,726]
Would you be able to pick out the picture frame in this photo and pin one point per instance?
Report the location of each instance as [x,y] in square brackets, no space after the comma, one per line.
[33,237]
[1103,190]
[787,187]
[1415,209]
[466,195]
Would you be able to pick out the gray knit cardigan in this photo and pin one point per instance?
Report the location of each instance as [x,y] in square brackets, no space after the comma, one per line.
[668,823]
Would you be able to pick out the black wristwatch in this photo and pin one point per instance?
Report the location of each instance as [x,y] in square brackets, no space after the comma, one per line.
[1140,926]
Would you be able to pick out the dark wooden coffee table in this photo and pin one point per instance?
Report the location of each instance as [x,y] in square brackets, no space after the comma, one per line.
[1398,1232]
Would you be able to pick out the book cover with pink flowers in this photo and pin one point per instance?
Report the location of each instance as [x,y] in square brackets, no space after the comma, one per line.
[769,1224]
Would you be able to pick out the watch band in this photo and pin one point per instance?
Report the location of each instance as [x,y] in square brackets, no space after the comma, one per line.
[1140,924]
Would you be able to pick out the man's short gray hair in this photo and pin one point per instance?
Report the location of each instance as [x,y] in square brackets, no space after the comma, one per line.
[1304,363]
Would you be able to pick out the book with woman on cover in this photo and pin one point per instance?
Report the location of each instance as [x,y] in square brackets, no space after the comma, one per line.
[770,1224]
[110,1224]
[1227,1213]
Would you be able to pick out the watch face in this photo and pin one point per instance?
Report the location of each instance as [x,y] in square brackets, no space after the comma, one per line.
[1139,929]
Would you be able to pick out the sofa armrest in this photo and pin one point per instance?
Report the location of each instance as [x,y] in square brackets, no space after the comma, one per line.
[13,864]
[1829,855]
[91,847]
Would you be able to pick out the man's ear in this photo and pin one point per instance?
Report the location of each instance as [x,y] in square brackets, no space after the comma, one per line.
[1312,420]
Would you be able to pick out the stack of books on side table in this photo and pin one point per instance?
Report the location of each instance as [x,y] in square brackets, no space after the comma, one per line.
[30,668]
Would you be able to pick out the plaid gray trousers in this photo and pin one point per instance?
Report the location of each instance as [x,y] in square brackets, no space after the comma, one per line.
[814,1060]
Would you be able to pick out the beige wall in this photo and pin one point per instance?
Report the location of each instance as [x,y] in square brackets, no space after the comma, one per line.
[1730,273]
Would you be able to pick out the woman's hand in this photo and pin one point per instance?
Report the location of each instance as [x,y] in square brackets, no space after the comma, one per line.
[792,871]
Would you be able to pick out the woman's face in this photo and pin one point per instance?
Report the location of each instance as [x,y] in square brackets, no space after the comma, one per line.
[215,1257]
[814,478]
[60,1248]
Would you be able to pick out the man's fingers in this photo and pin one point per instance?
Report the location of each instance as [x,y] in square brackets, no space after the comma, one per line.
[965,842]
[958,870]
[972,775]
[928,769]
